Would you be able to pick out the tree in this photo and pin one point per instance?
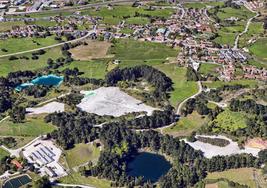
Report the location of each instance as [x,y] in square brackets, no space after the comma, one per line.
[17,114]
[42,183]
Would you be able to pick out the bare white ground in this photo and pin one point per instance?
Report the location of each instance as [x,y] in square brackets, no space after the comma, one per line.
[112,101]
[48,108]
[212,150]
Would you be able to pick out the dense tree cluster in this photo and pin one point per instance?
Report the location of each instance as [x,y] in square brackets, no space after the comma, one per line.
[248,106]
[162,83]
[37,91]
[214,141]
[192,75]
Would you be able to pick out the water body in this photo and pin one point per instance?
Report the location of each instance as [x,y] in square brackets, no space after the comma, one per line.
[17,182]
[46,80]
[150,166]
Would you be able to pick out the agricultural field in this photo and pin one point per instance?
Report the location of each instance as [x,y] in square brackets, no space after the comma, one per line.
[32,127]
[86,152]
[242,175]
[28,64]
[255,30]
[182,87]
[229,121]
[93,50]
[125,49]
[13,45]
[208,69]
[76,178]
[186,125]
[91,69]
[202,5]
[228,12]
[259,49]
[247,83]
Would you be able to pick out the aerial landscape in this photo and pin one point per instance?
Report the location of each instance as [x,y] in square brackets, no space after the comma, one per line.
[133,93]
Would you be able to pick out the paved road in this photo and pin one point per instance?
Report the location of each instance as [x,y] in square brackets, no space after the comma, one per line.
[47,47]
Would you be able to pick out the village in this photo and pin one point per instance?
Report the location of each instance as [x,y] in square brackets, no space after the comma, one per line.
[189,30]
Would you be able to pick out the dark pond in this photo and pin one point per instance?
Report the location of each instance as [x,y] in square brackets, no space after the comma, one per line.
[150,166]
[17,182]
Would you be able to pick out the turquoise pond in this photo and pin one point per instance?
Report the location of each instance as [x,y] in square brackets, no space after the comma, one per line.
[46,80]
[150,166]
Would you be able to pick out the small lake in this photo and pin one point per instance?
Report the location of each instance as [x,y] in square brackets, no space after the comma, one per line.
[46,80]
[149,165]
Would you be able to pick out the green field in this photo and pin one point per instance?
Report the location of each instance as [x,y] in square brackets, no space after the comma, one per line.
[3,153]
[216,84]
[228,12]
[208,69]
[229,121]
[23,64]
[14,45]
[186,125]
[32,127]
[76,178]
[259,49]
[182,88]
[135,50]
[5,26]
[242,175]
[91,69]
[137,20]
[202,5]
[255,29]
[225,38]
[81,154]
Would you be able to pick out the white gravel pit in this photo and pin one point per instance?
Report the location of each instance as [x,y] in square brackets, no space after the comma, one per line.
[46,109]
[112,101]
[212,150]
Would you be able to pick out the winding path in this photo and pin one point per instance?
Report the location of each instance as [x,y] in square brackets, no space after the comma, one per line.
[200,89]
[245,30]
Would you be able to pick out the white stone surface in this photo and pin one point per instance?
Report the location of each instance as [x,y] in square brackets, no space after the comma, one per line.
[112,101]
[46,109]
[212,150]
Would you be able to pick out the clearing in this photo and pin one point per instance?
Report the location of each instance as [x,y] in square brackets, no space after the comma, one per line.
[94,50]
[81,154]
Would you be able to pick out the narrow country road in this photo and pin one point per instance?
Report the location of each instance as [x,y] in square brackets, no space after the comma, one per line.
[245,30]
[200,89]
[47,47]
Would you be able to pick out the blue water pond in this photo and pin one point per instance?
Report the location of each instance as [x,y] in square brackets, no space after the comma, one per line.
[46,80]
[148,165]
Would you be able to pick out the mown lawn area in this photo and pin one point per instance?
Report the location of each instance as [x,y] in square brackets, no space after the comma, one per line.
[259,49]
[229,121]
[3,153]
[241,175]
[182,87]
[76,178]
[81,154]
[32,127]
[137,20]
[125,49]
[13,45]
[8,66]
[186,125]
[5,26]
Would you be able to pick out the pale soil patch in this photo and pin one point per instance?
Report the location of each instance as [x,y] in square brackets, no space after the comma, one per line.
[257,143]
[94,50]
[213,185]
[212,150]
[46,109]
[112,101]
